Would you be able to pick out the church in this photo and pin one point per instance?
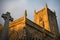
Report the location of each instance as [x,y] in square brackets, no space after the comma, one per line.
[44,27]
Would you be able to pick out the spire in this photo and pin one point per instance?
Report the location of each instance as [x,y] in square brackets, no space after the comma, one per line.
[46,6]
[25,13]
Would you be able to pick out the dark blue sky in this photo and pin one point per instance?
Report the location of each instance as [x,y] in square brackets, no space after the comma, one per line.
[17,7]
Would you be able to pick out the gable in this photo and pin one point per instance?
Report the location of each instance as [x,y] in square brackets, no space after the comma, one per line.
[17,24]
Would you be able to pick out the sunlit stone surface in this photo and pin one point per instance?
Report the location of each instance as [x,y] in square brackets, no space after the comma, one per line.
[43,27]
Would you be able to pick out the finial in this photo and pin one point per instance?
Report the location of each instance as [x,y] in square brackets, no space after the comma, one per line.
[25,13]
[54,11]
[34,11]
[46,6]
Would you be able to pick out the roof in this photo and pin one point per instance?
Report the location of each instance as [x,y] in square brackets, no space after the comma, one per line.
[16,22]
[31,24]
[38,28]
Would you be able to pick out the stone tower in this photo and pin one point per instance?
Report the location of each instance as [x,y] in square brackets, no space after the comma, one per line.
[46,19]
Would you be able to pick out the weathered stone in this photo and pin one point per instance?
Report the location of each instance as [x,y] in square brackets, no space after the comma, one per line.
[6,18]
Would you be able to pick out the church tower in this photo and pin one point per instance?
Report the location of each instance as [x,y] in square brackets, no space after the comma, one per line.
[46,19]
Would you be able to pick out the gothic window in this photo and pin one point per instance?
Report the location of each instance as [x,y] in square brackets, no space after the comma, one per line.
[36,38]
[39,39]
[32,38]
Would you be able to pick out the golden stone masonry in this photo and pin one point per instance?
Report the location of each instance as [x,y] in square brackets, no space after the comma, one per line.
[44,27]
